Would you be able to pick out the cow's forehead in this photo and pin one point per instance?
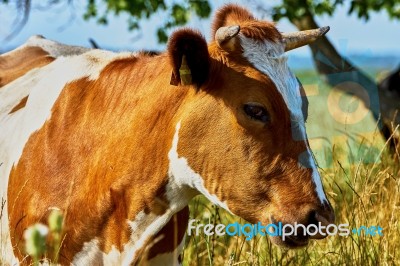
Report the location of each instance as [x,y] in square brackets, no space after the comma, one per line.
[268,57]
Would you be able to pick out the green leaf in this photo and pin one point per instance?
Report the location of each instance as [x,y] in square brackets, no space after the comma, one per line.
[201,8]
[91,10]
[102,20]
[162,36]
[179,14]
[133,24]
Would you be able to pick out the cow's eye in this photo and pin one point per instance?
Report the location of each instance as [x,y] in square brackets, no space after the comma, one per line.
[256,112]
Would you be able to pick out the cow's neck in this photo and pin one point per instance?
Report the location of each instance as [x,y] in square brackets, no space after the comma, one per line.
[161,182]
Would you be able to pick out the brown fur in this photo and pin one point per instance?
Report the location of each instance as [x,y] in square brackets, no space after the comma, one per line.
[231,14]
[17,63]
[117,195]
[20,105]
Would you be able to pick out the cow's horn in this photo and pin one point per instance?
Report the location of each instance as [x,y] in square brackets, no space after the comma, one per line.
[295,40]
[224,36]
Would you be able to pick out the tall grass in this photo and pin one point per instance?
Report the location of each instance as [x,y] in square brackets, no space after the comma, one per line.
[361,194]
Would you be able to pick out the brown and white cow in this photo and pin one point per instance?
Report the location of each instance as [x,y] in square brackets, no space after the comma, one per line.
[105,138]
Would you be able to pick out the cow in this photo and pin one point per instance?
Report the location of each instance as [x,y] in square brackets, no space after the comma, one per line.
[120,143]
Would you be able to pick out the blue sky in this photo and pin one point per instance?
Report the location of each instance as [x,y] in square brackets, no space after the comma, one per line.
[379,36]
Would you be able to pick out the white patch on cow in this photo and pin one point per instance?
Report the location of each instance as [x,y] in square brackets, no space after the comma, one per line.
[43,86]
[307,161]
[6,255]
[268,57]
[54,49]
[143,228]
[92,255]
[167,259]
[182,175]
[318,183]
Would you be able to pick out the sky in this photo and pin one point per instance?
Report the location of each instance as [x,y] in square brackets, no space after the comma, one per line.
[378,36]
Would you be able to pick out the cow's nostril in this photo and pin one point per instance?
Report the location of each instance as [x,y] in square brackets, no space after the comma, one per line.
[323,215]
[321,218]
[312,217]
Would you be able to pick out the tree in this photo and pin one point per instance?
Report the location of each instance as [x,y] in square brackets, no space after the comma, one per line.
[336,68]
[178,12]
[302,12]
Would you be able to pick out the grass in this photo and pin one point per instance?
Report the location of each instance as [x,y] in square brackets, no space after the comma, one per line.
[361,195]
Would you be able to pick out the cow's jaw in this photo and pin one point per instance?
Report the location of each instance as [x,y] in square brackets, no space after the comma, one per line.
[182,175]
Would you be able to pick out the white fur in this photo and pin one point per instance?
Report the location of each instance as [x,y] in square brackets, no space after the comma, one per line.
[43,86]
[92,255]
[54,49]
[269,58]
[142,228]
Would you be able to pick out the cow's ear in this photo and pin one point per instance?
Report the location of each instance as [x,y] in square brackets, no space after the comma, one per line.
[230,15]
[189,57]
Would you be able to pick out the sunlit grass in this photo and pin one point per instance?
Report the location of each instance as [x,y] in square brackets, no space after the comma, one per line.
[361,194]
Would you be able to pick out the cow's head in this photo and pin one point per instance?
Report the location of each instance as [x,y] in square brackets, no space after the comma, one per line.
[240,135]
